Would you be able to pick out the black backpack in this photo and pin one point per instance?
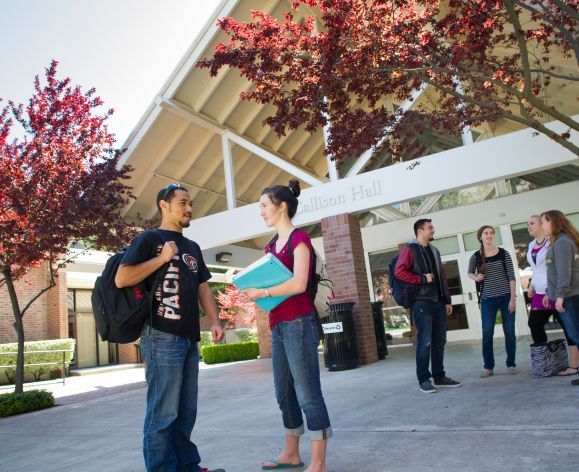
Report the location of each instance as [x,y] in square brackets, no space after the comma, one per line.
[478,265]
[402,292]
[121,313]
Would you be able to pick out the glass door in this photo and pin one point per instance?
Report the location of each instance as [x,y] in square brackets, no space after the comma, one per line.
[464,322]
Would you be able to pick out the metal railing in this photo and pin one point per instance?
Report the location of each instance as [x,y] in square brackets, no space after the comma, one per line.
[62,363]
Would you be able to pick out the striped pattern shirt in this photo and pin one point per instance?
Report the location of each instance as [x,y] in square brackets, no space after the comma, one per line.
[496,282]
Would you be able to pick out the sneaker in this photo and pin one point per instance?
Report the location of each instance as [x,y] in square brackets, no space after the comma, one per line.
[512,370]
[486,373]
[427,387]
[575,382]
[446,382]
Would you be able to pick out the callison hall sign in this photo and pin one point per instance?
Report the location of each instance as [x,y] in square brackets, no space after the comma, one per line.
[353,193]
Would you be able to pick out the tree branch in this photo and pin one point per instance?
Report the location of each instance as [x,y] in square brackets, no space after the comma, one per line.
[37,296]
[555,23]
[563,6]
[544,130]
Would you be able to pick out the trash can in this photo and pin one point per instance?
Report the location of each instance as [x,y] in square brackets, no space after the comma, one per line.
[340,344]
[379,329]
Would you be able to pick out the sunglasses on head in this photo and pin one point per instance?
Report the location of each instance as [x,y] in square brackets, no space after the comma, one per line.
[169,188]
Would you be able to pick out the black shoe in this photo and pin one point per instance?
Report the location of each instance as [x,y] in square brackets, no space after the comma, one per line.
[575,382]
[446,382]
[204,469]
[427,387]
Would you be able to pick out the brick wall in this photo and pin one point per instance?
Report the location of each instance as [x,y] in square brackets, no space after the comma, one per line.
[57,309]
[346,268]
[128,353]
[35,319]
[263,333]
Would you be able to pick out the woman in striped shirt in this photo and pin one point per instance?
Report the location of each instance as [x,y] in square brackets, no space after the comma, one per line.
[492,269]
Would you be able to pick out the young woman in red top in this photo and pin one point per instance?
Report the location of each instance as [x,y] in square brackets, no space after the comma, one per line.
[295,335]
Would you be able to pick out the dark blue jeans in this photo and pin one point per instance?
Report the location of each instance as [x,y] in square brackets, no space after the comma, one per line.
[489,310]
[296,375]
[570,317]
[172,374]
[430,321]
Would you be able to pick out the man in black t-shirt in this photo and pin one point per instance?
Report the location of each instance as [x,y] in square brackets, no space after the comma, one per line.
[169,346]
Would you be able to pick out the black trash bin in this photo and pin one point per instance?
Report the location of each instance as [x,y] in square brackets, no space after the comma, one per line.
[379,329]
[340,344]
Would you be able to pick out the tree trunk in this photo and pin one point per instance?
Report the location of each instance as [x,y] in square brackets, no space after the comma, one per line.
[19,327]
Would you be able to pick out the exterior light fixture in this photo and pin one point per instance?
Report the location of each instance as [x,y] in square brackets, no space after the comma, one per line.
[223,257]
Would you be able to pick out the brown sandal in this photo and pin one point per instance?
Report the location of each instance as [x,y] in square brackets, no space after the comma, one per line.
[565,373]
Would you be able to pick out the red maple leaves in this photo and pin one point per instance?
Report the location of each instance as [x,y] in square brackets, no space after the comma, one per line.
[59,181]
[234,307]
[483,60]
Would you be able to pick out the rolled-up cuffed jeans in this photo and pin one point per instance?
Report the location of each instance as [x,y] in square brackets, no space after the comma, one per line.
[172,370]
[296,375]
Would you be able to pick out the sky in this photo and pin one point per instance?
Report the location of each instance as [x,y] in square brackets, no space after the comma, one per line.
[126,49]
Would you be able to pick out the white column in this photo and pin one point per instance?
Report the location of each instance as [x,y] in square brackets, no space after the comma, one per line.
[332,171]
[466,133]
[228,171]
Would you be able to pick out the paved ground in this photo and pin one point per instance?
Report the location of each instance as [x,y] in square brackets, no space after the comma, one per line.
[381,421]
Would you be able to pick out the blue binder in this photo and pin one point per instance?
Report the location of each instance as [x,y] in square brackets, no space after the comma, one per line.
[264,273]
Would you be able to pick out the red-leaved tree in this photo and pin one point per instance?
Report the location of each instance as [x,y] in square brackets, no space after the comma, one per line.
[235,307]
[59,182]
[485,60]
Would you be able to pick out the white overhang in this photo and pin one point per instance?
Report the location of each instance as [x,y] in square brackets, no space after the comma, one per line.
[502,157]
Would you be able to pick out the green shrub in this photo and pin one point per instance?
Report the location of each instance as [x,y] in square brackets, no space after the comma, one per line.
[37,370]
[407,334]
[246,335]
[230,352]
[206,339]
[16,403]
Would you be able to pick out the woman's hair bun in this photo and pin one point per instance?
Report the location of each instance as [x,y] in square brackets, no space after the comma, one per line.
[294,186]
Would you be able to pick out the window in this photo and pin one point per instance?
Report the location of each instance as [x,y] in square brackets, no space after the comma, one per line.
[395,317]
[447,245]
[379,270]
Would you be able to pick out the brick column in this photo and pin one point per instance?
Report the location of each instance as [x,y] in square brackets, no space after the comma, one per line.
[263,332]
[128,353]
[346,267]
[57,313]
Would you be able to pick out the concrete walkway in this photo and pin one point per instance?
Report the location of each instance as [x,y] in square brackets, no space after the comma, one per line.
[381,421]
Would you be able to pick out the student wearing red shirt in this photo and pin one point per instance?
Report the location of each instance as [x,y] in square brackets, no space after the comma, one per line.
[295,335]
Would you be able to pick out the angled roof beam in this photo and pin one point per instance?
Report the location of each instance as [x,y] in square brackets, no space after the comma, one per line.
[427,204]
[211,125]
[389,213]
[365,157]
[275,160]
[189,114]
